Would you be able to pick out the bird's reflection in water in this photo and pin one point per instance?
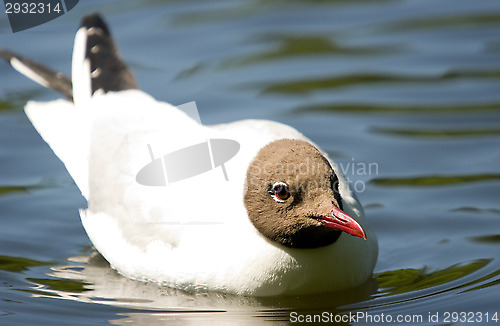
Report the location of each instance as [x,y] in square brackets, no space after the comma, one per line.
[94,281]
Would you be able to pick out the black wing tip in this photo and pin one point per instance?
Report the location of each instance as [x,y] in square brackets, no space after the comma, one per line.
[95,20]
[52,79]
[103,54]
[6,54]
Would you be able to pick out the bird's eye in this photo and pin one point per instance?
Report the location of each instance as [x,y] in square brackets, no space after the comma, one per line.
[280,192]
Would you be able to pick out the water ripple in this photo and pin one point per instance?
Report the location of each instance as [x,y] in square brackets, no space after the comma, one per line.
[307,86]
[434,180]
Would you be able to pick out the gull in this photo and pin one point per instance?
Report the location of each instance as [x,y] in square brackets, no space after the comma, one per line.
[280,220]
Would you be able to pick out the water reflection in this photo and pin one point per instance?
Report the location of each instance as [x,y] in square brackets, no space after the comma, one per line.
[280,47]
[406,84]
[399,109]
[444,21]
[16,100]
[19,264]
[90,279]
[433,180]
[437,133]
[410,280]
[486,239]
[307,86]
[476,210]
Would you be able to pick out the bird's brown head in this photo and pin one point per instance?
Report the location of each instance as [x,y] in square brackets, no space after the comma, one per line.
[292,196]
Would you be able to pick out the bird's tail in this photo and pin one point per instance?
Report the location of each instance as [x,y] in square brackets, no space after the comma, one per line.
[97,65]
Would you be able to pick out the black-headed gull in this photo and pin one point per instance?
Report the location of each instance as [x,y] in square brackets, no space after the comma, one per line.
[285,221]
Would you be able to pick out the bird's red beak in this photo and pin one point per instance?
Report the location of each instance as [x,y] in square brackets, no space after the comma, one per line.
[339,220]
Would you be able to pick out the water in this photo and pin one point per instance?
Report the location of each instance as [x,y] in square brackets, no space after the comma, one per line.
[408,88]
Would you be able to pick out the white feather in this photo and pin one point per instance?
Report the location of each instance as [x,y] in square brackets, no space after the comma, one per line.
[80,70]
[28,72]
[65,130]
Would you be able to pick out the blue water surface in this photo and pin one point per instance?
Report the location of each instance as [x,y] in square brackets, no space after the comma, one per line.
[403,94]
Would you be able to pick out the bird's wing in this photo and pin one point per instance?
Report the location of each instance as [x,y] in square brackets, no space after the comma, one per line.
[39,73]
[97,68]
[97,65]
[65,130]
